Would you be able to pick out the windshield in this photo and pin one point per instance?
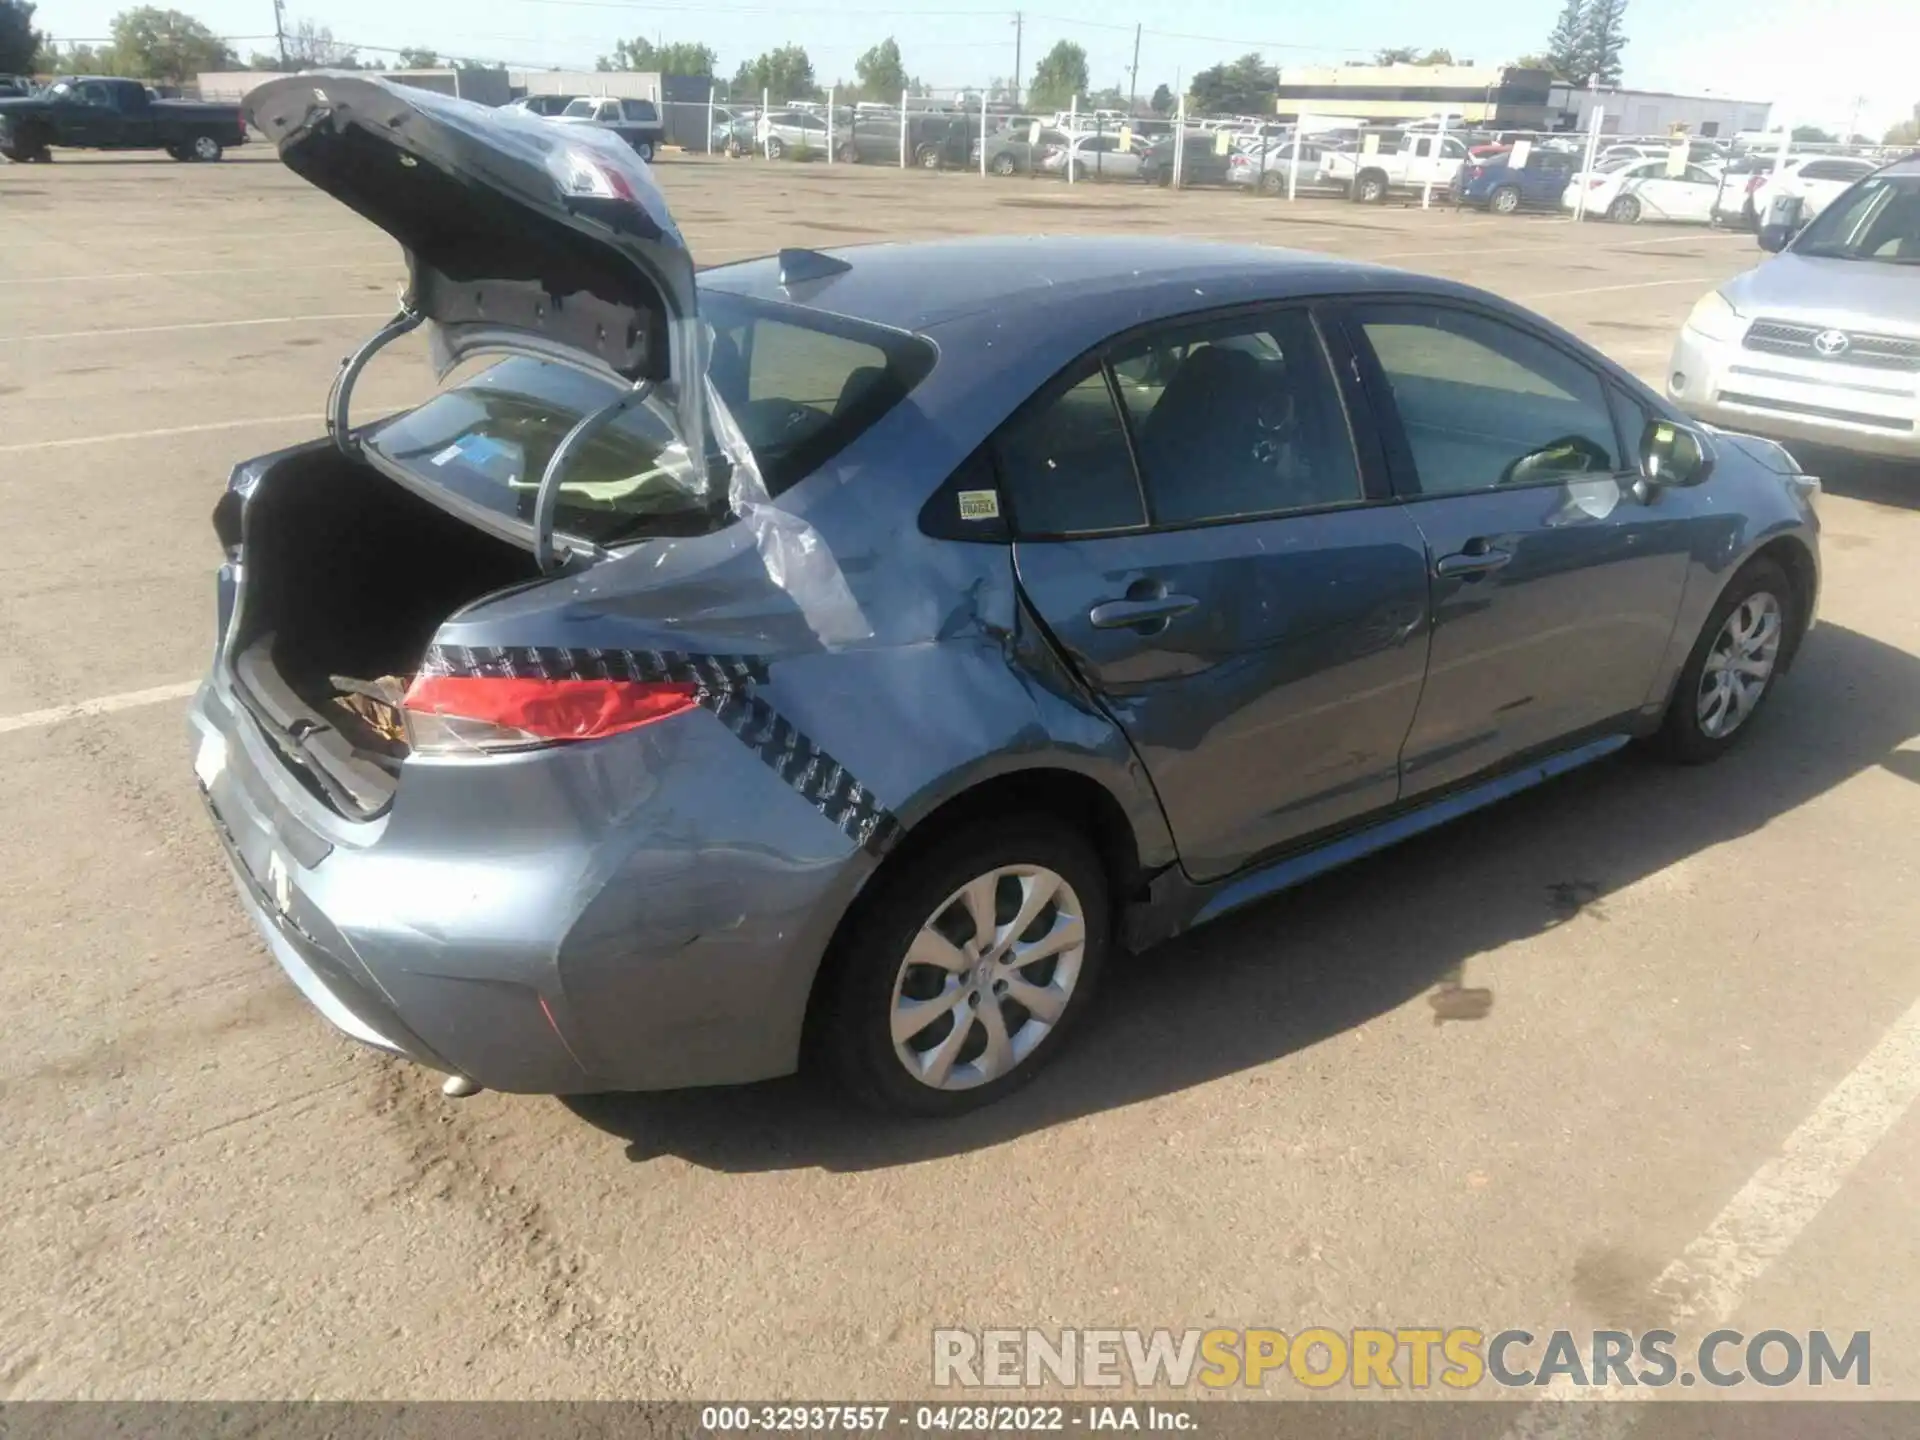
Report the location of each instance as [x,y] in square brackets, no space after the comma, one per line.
[800,384]
[1879,219]
[579,108]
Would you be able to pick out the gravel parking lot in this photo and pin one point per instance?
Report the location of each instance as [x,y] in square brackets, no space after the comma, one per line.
[1503,1076]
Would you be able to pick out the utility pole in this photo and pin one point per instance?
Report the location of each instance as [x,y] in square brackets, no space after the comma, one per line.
[280,31]
[1019,27]
[1133,73]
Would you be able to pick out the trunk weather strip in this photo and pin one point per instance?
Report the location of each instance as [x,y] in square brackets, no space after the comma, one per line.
[724,685]
[341,395]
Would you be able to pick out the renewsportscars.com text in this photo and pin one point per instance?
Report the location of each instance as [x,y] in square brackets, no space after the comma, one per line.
[1459,1359]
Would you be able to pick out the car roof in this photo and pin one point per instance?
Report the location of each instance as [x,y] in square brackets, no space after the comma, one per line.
[1036,285]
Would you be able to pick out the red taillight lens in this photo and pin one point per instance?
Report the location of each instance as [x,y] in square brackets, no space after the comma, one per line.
[1753,182]
[448,714]
[1596,182]
[1478,172]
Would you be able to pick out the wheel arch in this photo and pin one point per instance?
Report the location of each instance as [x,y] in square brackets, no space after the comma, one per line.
[1049,788]
[1793,556]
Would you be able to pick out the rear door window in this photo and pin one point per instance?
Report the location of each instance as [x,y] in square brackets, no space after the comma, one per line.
[1066,465]
[1237,419]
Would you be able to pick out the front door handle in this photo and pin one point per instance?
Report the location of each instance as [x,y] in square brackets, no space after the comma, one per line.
[1469,563]
[1152,611]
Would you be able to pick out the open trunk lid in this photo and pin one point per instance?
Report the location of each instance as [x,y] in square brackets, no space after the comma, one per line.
[521,237]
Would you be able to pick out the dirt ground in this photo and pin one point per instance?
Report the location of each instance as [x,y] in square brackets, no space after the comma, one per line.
[211,1194]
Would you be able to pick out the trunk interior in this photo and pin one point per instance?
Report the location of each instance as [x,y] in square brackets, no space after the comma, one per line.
[348,575]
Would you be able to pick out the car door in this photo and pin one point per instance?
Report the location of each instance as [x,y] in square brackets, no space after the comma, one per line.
[87,117]
[1554,589]
[1687,196]
[1224,566]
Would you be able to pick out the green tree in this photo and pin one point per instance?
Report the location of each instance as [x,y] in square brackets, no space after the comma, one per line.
[19,42]
[1604,37]
[1566,53]
[311,46]
[1240,87]
[1814,135]
[682,57]
[154,44]
[1907,132]
[414,58]
[786,73]
[882,73]
[1162,101]
[1060,75]
[1411,55]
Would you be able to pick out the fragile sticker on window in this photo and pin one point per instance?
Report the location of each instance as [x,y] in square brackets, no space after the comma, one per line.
[979,505]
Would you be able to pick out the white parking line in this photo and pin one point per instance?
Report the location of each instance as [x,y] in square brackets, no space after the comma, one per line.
[1610,289]
[196,325]
[312,417]
[1704,1287]
[104,705]
[181,274]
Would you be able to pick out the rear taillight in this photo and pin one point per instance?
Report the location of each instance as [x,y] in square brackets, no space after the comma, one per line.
[450,714]
[1596,182]
[1753,182]
[1477,172]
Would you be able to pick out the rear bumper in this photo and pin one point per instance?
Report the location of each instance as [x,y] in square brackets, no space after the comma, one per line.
[1870,412]
[637,914]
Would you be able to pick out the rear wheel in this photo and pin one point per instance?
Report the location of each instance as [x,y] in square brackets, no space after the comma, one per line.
[1370,189]
[776,147]
[848,154]
[1732,668]
[1273,183]
[644,149]
[965,972]
[928,157]
[1506,200]
[205,148]
[1624,211]
[1003,163]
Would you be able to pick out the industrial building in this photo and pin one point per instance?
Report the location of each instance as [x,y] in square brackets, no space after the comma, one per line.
[1498,95]
[1657,112]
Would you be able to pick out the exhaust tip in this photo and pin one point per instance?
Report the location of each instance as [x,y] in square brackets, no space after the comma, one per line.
[459,1087]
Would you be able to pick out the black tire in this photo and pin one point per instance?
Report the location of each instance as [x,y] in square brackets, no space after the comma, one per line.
[1682,736]
[776,147]
[849,154]
[1624,211]
[927,157]
[644,149]
[1003,163]
[1505,200]
[1370,189]
[204,148]
[853,1036]
[1273,182]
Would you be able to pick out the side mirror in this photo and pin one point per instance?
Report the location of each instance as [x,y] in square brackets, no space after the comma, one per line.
[1672,454]
[1783,220]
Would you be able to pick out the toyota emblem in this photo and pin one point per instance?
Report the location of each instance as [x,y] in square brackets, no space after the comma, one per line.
[1831,343]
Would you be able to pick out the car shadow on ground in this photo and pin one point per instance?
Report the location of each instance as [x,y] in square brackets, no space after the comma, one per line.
[1859,477]
[1355,945]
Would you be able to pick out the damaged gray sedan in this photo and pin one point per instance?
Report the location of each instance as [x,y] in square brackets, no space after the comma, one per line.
[841,655]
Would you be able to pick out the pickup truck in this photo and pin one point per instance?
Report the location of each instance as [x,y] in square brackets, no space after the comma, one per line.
[635,121]
[89,112]
[1402,163]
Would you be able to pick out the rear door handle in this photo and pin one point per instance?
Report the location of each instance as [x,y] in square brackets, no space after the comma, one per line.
[1470,563]
[1119,614]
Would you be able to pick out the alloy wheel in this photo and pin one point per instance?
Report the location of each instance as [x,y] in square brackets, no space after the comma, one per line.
[988,977]
[1740,665]
[205,147]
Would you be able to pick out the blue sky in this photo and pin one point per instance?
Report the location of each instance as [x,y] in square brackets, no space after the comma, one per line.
[1814,61]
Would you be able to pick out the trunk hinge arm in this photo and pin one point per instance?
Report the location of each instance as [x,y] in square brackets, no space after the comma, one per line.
[546,504]
[341,395]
